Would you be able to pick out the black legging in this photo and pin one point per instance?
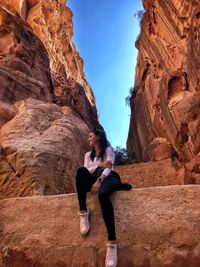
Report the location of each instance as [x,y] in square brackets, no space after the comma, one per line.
[84,182]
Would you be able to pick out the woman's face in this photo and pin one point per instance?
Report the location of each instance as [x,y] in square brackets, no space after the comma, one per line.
[93,139]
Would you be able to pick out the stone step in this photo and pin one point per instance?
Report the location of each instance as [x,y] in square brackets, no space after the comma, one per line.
[150,174]
[156,227]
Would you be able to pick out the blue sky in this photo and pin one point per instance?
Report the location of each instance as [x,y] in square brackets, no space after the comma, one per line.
[104,34]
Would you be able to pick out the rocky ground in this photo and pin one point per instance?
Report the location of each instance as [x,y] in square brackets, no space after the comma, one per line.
[156,227]
[157,224]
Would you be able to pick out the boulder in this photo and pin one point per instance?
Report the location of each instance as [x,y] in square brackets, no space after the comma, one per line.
[42,146]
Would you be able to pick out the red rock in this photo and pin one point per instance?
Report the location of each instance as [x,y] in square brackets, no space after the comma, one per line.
[19,69]
[7,112]
[152,174]
[37,137]
[159,149]
[42,146]
[156,227]
[70,93]
[24,63]
[52,22]
[166,100]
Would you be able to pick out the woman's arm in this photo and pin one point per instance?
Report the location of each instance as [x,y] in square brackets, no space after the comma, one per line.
[106,164]
[109,161]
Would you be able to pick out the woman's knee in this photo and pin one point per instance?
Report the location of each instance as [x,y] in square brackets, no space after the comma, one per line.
[82,170]
[80,174]
[103,195]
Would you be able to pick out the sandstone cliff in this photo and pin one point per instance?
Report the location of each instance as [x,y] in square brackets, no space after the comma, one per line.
[51,21]
[46,106]
[165,102]
[46,103]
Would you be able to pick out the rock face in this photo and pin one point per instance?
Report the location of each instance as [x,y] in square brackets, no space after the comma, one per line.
[46,104]
[151,174]
[165,102]
[51,21]
[42,147]
[7,112]
[23,57]
[156,227]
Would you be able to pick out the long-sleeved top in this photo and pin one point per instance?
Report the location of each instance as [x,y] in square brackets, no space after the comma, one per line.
[92,165]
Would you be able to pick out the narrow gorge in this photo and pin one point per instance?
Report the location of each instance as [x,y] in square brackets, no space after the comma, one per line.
[47,108]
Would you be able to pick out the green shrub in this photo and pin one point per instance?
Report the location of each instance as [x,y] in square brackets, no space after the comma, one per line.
[122,156]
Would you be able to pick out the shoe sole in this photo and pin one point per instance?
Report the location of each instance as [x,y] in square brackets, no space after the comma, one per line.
[112,265]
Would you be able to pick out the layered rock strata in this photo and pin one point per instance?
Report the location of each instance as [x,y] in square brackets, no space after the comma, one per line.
[165,101]
[51,21]
[41,143]
[24,65]
[156,227]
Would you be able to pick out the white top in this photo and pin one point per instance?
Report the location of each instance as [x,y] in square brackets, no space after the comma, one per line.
[92,165]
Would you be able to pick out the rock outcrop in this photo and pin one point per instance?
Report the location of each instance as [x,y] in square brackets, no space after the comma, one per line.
[51,21]
[153,174]
[165,101]
[24,62]
[46,104]
[42,147]
[156,227]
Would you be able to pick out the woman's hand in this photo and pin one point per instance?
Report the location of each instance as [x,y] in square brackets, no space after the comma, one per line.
[95,187]
[105,164]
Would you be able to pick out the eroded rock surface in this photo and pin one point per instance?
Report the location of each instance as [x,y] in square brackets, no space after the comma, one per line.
[42,147]
[7,112]
[156,227]
[165,103]
[24,62]
[51,21]
[150,174]
[41,144]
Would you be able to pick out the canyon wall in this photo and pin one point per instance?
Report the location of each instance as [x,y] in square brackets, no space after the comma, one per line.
[46,103]
[46,110]
[165,100]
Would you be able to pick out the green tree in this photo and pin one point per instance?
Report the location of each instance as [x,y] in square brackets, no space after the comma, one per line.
[132,93]
[122,156]
[139,15]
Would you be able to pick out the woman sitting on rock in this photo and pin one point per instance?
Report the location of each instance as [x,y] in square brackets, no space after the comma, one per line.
[97,176]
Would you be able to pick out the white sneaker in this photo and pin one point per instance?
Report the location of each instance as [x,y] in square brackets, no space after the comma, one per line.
[111,255]
[84,222]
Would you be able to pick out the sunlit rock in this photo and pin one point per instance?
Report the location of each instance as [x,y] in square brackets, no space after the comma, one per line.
[165,103]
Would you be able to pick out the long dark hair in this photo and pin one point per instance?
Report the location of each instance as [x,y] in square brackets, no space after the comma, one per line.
[103,143]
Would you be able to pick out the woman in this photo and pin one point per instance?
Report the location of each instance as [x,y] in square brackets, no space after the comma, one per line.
[98,177]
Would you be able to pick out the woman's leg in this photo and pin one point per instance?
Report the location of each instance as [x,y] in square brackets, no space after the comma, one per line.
[84,182]
[107,188]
